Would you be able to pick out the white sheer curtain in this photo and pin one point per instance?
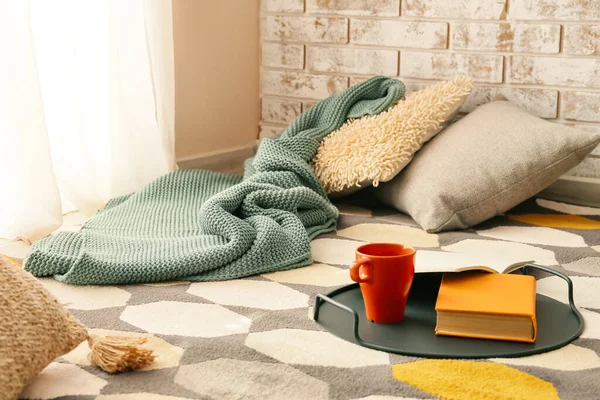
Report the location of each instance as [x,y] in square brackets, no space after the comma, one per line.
[86,106]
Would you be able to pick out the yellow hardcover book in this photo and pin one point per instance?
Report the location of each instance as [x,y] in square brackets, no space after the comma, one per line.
[485,305]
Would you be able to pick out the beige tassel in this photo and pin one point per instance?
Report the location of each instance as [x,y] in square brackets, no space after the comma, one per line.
[119,353]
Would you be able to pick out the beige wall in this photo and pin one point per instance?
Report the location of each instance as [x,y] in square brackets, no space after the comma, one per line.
[216,75]
[542,55]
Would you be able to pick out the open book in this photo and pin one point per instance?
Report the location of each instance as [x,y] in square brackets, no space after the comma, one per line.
[444,261]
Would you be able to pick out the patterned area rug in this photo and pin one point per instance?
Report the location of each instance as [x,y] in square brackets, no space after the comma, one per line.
[255,338]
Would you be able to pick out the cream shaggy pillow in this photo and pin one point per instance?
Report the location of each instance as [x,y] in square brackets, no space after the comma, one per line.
[376,148]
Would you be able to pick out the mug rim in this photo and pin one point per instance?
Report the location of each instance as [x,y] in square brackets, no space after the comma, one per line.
[411,252]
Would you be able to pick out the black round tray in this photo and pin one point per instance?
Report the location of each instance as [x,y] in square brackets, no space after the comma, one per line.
[342,312]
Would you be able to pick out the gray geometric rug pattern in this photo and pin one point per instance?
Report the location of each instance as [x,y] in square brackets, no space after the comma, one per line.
[255,338]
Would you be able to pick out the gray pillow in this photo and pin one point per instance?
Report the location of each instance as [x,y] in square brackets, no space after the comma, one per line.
[486,163]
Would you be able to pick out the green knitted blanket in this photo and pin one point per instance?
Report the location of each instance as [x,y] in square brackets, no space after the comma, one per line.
[203,225]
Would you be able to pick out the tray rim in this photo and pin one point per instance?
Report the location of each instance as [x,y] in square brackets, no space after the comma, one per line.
[321,298]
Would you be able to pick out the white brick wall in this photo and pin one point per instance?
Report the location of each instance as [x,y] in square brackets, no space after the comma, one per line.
[283,55]
[351,61]
[543,55]
[582,40]
[506,37]
[474,9]
[399,33]
[581,106]
[425,65]
[354,7]
[556,10]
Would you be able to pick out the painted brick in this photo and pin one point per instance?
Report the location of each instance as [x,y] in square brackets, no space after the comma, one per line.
[437,40]
[581,106]
[397,33]
[540,102]
[582,40]
[350,60]
[306,29]
[408,85]
[415,86]
[308,104]
[518,38]
[354,80]
[588,128]
[389,8]
[297,84]
[269,131]
[412,86]
[461,9]
[479,67]
[280,111]
[283,55]
[575,72]
[282,5]
[588,168]
[564,10]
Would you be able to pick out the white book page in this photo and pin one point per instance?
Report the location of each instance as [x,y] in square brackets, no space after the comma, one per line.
[445,261]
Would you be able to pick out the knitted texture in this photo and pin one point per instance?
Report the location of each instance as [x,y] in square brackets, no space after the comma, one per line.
[203,225]
[34,329]
[376,148]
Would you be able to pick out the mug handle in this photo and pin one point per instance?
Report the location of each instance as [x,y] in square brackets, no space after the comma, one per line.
[361,270]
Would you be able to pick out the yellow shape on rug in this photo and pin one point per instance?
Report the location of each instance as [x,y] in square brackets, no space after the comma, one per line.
[557,221]
[473,380]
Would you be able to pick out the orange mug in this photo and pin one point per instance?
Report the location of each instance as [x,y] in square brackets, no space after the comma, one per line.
[385,272]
